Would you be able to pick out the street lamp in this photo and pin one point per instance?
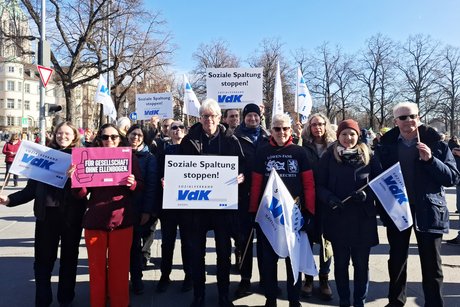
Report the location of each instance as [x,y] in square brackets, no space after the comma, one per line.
[125,106]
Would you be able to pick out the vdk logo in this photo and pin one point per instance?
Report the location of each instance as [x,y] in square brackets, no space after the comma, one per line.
[193,194]
[276,209]
[396,190]
[151,112]
[40,162]
[104,89]
[229,98]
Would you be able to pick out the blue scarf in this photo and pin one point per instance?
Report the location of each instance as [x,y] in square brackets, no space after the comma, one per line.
[252,133]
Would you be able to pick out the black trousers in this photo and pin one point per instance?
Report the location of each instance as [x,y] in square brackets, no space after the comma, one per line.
[429,246]
[197,224]
[48,233]
[170,220]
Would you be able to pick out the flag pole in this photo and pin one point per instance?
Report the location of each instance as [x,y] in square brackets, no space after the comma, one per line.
[7,177]
[358,190]
[246,248]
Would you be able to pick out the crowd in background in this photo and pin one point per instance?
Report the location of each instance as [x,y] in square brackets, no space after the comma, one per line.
[327,167]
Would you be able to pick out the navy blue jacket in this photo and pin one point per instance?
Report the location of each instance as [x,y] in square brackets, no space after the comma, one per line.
[429,208]
[145,201]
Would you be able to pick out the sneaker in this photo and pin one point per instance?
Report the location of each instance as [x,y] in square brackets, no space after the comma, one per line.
[163,284]
[243,289]
[307,288]
[137,286]
[187,284]
[454,241]
[324,288]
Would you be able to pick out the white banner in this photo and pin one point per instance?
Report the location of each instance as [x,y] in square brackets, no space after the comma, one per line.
[41,163]
[303,103]
[103,97]
[278,105]
[154,104]
[391,191]
[200,182]
[233,88]
[191,103]
[280,219]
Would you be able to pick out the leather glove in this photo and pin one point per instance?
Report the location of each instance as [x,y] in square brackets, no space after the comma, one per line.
[334,202]
[308,222]
[359,196]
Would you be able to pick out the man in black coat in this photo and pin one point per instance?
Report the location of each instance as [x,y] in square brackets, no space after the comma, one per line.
[427,165]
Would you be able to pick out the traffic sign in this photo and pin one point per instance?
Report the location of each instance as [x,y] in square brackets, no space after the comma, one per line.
[133,116]
[45,74]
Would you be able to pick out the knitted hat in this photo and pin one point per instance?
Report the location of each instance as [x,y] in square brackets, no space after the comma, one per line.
[251,107]
[348,123]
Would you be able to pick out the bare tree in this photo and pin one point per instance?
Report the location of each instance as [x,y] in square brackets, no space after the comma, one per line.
[270,52]
[373,73]
[419,61]
[345,83]
[449,82]
[213,55]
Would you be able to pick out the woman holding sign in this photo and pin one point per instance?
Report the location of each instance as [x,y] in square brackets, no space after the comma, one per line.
[349,213]
[108,223]
[59,216]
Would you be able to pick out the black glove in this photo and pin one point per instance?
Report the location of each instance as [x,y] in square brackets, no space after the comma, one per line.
[359,196]
[334,202]
[308,222]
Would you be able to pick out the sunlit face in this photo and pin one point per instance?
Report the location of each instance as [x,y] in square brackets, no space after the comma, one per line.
[348,138]
[165,126]
[252,120]
[407,122]
[64,136]
[177,131]
[233,118]
[209,120]
[281,132]
[317,127]
[110,137]
[136,138]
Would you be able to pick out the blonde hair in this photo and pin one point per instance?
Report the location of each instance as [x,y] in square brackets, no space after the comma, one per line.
[363,151]
[329,133]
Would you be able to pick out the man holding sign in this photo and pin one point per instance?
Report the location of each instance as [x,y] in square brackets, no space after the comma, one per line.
[209,138]
[427,165]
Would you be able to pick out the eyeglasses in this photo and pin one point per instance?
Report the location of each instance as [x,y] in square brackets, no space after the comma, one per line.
[207,116]
[318,124]
[404,117]
[113,137]
[178,127]
[278,129]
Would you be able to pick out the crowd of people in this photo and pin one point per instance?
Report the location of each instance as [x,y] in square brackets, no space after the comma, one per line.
[326,168]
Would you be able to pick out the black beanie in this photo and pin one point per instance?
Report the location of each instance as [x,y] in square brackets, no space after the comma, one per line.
[251,107]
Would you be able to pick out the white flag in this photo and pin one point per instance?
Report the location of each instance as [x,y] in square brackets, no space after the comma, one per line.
[304,102]
[191,103]
[281,220]
[102,96]
[278,107]
[391,191]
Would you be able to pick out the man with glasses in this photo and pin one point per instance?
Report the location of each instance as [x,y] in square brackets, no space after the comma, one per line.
[209,138]
[427,165]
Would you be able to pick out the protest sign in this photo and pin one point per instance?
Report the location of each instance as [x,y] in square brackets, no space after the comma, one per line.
[41,163]
[159,104]
[200,182]
[233,88]
[101,166]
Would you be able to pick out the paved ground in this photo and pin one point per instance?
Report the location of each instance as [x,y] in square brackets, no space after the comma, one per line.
[17,283]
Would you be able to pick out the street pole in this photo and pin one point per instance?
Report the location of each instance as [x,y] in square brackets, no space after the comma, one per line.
[42,88]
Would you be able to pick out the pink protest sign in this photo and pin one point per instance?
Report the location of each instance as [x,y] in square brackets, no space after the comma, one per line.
[101,166]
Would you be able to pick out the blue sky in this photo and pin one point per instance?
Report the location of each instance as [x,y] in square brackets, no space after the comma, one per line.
[307,23]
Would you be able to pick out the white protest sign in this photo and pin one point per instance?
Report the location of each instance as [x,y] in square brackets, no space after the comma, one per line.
[41,163]
[233,88]
[159,104]
[200,182]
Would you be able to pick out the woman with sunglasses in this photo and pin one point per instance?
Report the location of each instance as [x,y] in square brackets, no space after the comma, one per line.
[171,219]
[348,209]
[108,223]
[290,161]
[58,220]
[144,202]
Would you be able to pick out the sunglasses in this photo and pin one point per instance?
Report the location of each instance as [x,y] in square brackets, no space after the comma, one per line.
[404,117]
[278,129]
[178,127]
[105,137]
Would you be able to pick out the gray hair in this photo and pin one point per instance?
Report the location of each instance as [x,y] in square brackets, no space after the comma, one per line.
[329,133]
[210,105]
[281,118]
[413,107]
